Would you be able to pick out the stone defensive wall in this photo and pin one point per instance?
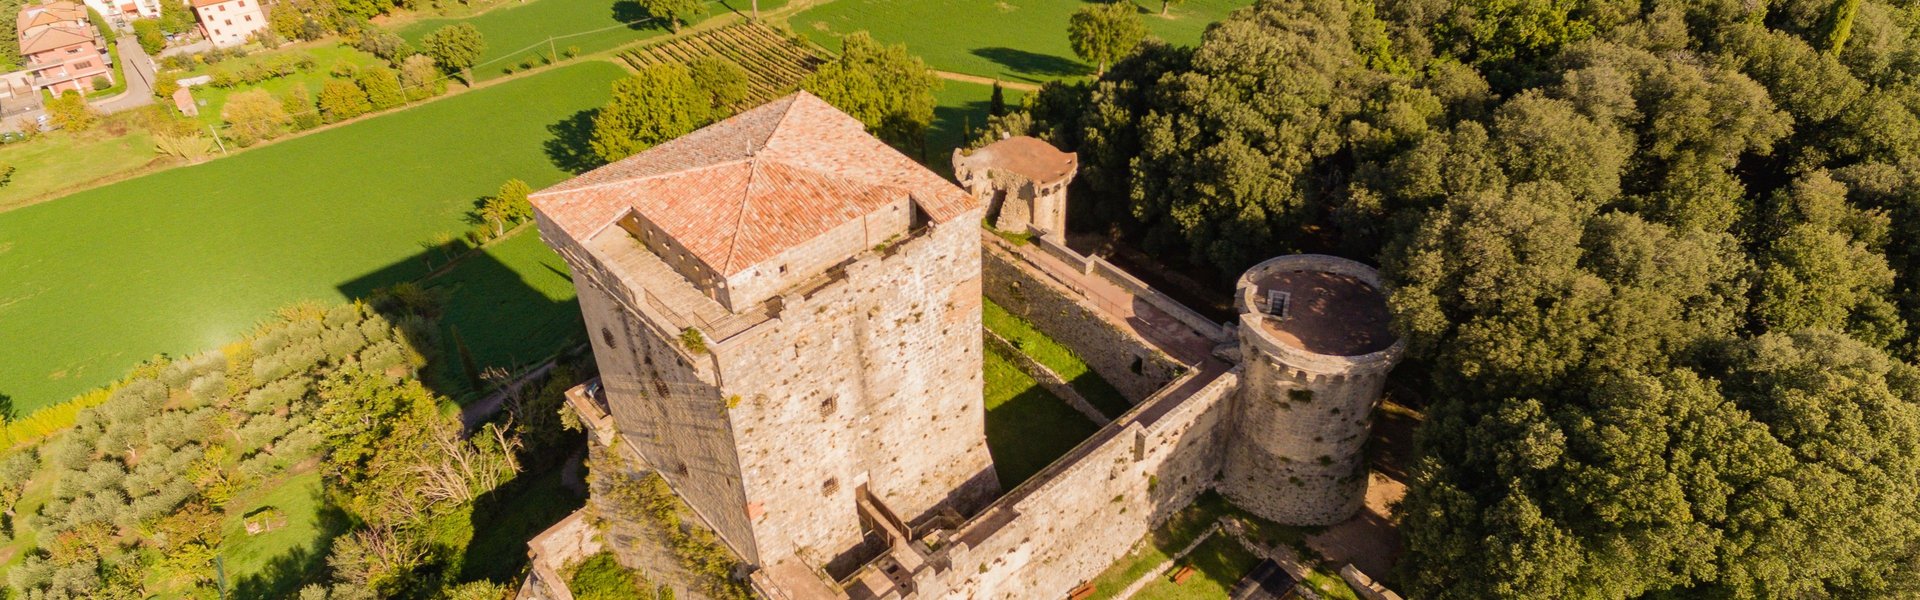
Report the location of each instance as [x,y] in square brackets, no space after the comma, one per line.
[1083,512]
[1095,265]
[1133,366]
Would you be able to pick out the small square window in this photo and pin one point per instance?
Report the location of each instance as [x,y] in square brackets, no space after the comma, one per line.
[1277,302]
[831,486]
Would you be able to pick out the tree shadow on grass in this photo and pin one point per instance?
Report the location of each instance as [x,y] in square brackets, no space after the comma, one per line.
[633,15]
[570,147]
[952,127]
[1033,65]
[505,519]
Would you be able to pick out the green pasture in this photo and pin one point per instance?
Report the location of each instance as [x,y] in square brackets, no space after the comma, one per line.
[189,258]
[513,304]
[1024,40]
[960,108]
[59,161]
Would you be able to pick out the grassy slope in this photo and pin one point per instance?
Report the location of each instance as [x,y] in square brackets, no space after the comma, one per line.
[326,56]
[1015,39]
[187,258]
[53,163]
[1058,358]
[300,544]
[1027,427]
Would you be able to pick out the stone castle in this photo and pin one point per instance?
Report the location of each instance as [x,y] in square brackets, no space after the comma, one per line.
[786,314]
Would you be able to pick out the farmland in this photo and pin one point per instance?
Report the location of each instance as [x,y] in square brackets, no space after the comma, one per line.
[183,259]
[1023,40]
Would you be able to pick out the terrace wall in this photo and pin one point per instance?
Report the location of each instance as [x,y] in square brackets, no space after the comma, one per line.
[1133,366]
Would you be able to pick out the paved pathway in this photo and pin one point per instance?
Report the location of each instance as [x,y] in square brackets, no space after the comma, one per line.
[137,68]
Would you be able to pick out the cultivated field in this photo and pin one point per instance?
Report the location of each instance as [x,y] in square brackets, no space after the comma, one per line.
[1023,40]
[183,259]
[774,64]
[518,33]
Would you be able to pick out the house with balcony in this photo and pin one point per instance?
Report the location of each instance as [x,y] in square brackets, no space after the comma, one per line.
[230,23]
[62,49]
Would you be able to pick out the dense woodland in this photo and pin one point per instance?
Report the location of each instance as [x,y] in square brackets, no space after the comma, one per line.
[1656,261]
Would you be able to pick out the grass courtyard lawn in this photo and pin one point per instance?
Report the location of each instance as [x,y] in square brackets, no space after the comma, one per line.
[517,32]
[326,56]
[1217,563]
[189,258]
[1061,360]
[1027,427]
[60,160]
[1022,40]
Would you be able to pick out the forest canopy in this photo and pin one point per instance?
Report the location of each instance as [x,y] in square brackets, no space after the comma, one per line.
[1655,261]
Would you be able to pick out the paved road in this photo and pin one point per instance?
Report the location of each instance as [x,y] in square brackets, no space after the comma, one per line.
[137,67]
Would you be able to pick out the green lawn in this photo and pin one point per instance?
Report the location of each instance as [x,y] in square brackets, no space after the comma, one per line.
[518,32]
[188,258]
[326,56]
[1027,427]
[960,109]
[1014,39]
[1218,563]
[514,305]
[273,561]
[1056,357]
[60,160]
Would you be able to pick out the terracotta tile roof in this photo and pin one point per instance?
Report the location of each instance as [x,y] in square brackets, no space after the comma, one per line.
[206,3]
[1029,157]
[51,26]
[741,191]
[53,38]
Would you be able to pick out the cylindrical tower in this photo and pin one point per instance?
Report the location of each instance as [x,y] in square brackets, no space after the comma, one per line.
[1315,348]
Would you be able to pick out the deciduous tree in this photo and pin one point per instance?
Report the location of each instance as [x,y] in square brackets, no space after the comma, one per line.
[659,103]
[1102,33]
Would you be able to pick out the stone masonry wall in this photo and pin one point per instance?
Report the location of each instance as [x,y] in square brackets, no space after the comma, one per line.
[1129,363]
[1087,511]
[1299,446]
[874,381]
[663,400]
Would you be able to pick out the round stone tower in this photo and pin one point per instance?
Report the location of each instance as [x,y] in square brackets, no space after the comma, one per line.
[1315,350]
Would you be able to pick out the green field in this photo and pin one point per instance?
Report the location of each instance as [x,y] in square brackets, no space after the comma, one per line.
[960,109]
[189,258]
[51,165]
[1027,426]
[520,32]
[1014,39]
[513,303]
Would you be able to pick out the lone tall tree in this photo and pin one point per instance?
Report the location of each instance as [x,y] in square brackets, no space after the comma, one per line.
[1102,33]
[455,47]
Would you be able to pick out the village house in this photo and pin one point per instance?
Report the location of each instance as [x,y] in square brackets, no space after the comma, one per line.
[62,49]
[229,23]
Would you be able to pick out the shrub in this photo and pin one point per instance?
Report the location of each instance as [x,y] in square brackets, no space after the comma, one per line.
[100,82]
[571,51]
[276,395]
[341,344]
[341,100]
[693,341]
[600,577]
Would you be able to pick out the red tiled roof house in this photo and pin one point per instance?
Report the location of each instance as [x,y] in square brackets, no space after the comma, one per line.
[61,48]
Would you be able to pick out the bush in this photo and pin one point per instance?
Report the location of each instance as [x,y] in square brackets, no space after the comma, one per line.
[341,100]
[600,577]
[70,112]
